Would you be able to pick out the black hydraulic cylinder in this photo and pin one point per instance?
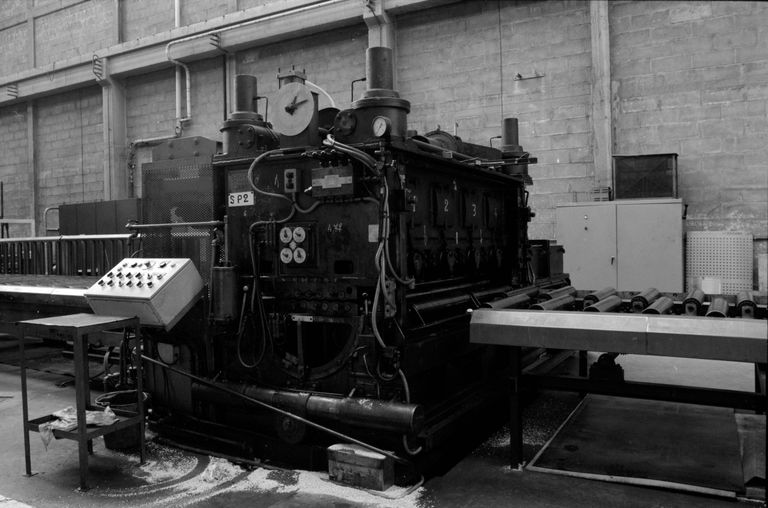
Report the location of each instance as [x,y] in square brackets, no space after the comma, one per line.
[643,299]
[745,304]
[607,304]
[596,296]
[361,412]
[693,302]
[661,306]
[718,307]
[555,303]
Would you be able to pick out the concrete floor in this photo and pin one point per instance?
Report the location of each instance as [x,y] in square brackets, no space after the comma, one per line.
[172,477]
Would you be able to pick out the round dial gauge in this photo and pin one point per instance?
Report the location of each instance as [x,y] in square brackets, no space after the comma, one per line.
[294,109]
[381,126]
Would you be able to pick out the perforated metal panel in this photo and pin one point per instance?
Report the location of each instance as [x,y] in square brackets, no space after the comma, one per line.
[179,190]
[725,256]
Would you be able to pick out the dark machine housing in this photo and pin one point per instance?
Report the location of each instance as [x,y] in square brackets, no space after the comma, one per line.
[345,253]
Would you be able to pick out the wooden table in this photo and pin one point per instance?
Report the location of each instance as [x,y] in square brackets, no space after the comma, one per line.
[77,328]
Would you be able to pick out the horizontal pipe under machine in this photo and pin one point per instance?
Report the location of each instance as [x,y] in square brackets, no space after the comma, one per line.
[738,340]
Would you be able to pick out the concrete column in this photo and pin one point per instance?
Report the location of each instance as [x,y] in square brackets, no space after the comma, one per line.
[115,135]
[602,146]
[381,28]
[32,168]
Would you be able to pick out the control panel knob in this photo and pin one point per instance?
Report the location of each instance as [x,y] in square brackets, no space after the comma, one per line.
[299,234]
[286,235]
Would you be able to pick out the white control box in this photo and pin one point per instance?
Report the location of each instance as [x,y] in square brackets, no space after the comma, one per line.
[157,291]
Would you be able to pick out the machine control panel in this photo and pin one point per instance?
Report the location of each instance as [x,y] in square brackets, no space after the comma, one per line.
[296,245]
[158,291]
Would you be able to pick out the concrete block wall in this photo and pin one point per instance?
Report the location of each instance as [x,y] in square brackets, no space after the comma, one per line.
[74,31]
[450,68]
[68,148]
[141,18]
[17,181]
[692,78]
[331,61]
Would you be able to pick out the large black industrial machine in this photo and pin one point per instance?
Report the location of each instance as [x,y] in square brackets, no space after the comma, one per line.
[345,254]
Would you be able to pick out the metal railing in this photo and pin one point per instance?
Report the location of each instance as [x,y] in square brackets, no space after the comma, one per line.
[65,255]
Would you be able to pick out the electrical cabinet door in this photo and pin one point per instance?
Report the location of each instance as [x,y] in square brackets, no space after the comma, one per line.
[649,245]
[587,232]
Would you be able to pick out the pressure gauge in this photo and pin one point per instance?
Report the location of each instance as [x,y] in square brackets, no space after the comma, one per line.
[381,126]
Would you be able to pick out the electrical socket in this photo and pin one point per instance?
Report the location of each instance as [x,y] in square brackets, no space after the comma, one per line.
[290,181]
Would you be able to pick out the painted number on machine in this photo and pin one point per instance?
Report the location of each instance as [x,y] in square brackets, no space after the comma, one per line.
[241,198]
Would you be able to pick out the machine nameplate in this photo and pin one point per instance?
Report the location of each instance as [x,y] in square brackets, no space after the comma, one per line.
[241,198]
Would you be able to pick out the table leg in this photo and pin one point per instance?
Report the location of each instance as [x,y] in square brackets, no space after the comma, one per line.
[24,402]
[81,402]
[583,364]
[140,389]
[515,414]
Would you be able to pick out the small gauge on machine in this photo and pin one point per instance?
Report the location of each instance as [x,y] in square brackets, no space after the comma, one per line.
[381,126]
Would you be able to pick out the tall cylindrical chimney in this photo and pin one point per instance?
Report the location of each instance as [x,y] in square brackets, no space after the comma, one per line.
[245,93]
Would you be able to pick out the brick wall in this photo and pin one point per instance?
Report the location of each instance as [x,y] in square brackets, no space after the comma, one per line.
[692,78]
[449,68]
[69,148]
[74,31]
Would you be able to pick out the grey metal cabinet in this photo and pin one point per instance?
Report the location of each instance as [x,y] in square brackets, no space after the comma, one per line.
[627,244]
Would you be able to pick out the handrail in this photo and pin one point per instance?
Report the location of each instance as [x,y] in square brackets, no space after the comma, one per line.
[65,254]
